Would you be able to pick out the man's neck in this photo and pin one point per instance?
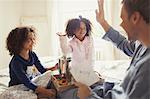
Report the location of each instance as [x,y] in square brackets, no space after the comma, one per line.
[148,42]
[145,35]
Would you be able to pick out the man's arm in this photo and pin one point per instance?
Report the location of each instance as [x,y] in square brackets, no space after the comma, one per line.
[128,47]
[113,35]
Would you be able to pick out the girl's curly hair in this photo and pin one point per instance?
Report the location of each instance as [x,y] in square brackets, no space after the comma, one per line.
[16,39]
[74,24]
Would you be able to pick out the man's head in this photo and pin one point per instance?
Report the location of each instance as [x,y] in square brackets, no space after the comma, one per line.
[135,15]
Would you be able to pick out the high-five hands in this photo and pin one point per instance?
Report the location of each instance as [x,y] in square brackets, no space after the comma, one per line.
[100,11]
[100,16]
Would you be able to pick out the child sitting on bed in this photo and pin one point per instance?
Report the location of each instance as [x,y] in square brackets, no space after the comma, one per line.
[25,65]
[78,30]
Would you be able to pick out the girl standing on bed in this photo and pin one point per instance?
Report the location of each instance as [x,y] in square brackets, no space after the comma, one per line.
[25,65]
[80,45]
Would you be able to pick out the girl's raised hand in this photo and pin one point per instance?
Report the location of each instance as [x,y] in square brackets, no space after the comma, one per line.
[61,33]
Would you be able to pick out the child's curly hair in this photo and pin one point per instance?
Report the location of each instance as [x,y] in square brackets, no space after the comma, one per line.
[16,39]
[74,24]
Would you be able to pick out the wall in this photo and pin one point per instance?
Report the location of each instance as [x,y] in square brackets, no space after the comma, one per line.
[35,14]
[34,7]
[10,12]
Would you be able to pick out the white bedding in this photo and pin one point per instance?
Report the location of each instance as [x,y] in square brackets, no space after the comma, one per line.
[113,71]
[4,79]
[110,70]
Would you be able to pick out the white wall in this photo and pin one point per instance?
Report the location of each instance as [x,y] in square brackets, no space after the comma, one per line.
[10,12]
[35,13]
[34,7]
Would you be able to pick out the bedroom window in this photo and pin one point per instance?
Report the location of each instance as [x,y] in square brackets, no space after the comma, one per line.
[67,9]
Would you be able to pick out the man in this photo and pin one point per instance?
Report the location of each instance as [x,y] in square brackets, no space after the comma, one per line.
[135,16]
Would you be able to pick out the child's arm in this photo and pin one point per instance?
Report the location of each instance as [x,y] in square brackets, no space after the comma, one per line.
[38,64]
[53,68]
[40,67]
[21,74]
[65,47]
[19,71]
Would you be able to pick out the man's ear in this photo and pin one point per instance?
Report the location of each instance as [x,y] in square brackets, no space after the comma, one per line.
[135,17]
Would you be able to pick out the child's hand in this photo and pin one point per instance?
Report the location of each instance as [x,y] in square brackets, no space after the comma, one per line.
[83,90]
[53,68]
[61,33]
[45,92]
[51,92]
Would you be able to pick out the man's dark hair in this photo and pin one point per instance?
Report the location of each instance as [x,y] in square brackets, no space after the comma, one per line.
[16,39]
[74,24]
[141,6]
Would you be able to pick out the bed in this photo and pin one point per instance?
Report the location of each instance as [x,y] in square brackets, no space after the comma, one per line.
[4,79]
[112,71]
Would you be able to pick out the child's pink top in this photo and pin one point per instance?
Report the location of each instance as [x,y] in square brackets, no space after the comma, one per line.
[82,55]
